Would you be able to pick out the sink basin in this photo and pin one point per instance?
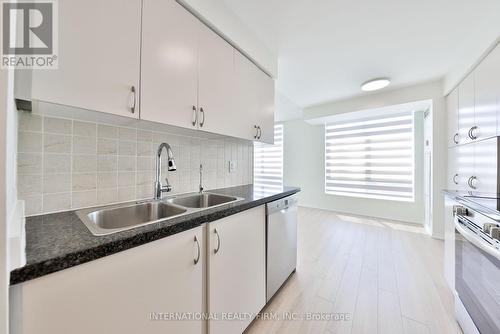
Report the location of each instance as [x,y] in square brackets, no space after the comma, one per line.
[204,200]
[114,219]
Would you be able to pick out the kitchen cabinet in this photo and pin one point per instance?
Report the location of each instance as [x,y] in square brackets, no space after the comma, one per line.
[464,165]
[475,158]
[473,167]
[236,269]
[119,293]
[453,177]
[169,73]
[466,106]
[157,62]
[487,94]
[452,104]
[216,104]
[99,58]
[247,96]
[193,78]
[265,112]
[485,177]
[255,101]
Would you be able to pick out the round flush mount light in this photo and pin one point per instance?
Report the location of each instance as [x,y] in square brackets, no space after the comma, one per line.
[375,84]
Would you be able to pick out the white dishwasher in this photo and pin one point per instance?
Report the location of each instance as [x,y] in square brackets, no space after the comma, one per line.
[281,242]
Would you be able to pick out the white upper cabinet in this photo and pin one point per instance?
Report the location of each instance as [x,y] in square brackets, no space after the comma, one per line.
[487,92]
[99,58]
[169,73]
[466,101]
[165,66]
[265,113]
[216,80]
[193,78]
[255,101]
[247,96]
[452,103]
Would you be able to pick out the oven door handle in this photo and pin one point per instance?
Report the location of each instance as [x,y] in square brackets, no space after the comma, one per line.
[477,241]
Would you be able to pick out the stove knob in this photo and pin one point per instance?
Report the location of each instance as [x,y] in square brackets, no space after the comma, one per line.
[487,227]
[495,233]
[460,210]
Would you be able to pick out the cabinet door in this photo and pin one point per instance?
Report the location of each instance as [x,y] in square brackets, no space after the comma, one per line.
[169,73]
[466,103]
[465,165]
[452,104]
[449,242]
[119,293]
[216,85]
[452,175]
[247,96]
[486,166]
[487,86]
[99,57]
[265,112]
[237,278]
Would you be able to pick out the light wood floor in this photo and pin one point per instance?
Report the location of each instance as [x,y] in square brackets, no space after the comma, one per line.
[387,276]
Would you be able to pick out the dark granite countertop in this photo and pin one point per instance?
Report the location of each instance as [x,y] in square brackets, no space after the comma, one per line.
[486,203]
[58,241]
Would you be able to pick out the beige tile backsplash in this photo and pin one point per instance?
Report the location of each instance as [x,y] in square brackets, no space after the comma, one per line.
[67,164]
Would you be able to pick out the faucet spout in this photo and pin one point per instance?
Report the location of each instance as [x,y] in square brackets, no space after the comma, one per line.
[159,188]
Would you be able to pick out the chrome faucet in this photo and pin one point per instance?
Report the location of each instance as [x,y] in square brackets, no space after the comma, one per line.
[159,188]
[201,178]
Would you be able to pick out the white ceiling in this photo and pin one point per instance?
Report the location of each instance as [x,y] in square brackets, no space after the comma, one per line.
[327,48]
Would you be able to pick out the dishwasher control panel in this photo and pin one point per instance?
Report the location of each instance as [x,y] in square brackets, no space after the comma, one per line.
[281,204]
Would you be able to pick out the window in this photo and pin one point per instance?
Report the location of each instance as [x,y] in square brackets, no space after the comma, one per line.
[268,162]
[371,157]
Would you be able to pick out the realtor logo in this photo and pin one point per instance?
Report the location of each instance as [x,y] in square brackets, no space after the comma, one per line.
[29,38]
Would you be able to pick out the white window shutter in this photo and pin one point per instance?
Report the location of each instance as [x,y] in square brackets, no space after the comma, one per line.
[371,157]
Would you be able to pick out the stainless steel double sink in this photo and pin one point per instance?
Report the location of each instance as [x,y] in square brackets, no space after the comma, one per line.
[116,218]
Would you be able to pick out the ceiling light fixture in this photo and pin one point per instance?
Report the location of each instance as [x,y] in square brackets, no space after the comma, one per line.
[375,84]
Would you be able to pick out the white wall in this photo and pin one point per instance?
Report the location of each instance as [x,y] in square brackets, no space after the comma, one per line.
[284,109]
[304,156]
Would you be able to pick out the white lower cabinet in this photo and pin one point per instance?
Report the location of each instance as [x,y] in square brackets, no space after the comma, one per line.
[236,270]
[118,293]
[219,268]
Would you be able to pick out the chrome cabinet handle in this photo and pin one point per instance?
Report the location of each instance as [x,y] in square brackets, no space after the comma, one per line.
[256,132]
[472,182]
[260,132]
[202,112]
[132,99]
[195,116]
[216,250]
[472,133]
[455,138]
[199,252]
[455,178]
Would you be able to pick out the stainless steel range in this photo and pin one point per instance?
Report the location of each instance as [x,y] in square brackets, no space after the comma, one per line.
[477,271]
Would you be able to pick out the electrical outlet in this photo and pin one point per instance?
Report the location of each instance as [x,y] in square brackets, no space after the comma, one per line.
[232,166]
